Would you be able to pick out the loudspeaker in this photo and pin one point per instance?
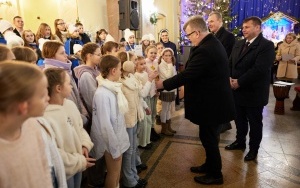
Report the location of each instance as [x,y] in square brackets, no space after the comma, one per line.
[129,14]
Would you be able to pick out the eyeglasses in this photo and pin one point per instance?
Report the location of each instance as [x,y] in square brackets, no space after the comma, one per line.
[187,35]
[61,23]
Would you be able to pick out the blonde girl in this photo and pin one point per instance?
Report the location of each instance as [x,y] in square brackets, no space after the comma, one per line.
[44,31]
[146,124]
[151,66]
[108,130]
[20,136]
[29,39]
[132,90]
[160,48]
[166,70]
[72,140]
[145,43]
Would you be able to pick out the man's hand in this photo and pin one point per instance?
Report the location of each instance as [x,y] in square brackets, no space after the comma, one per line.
[234,83]
[159,84]
[152,75]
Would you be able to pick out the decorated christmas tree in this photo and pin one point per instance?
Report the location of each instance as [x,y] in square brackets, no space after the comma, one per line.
[204,8]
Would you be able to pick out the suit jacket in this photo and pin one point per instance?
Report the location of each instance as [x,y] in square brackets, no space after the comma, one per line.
[208,96]
[252,69]
[17,32]
[227,39]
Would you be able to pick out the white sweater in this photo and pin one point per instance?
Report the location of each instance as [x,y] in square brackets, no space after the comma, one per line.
[70,135]
[166,70]
[108,130]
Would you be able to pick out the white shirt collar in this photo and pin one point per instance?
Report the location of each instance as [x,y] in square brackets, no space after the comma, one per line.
[250,41]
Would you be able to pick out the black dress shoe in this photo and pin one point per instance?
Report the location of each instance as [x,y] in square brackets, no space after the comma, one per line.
[236,146]
[208,180]
[154,136]
[198,169]
[147,147]
[142,181]
[138,185]
[141,167]
[251,155]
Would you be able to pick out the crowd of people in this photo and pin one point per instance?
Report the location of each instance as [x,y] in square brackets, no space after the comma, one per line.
[71,105]
[98,105]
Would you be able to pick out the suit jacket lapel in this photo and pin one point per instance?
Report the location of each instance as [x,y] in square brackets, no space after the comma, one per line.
[238,49]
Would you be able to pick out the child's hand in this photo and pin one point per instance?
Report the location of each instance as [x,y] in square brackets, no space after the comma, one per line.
[152,75]
[85,151]
[148,111]
[90,162]
[119,158]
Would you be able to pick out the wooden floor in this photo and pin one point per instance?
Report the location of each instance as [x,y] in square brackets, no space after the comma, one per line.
[277,164]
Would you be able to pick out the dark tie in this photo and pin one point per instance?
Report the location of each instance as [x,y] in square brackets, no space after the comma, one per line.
[245,47]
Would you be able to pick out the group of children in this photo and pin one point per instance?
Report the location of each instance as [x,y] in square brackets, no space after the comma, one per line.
[98,122]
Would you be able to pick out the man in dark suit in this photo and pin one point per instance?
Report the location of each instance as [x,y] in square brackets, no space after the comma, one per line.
[19,24]
[250,65]
[215,25]
[208,96]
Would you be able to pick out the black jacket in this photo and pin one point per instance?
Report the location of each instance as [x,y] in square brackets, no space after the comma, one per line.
[17,32]
[207,93]
[252,69]
[85,38]
[227,39]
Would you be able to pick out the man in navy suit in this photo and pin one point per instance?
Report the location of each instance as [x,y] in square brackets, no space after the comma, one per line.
[208,97]
[215,25]
[250,65]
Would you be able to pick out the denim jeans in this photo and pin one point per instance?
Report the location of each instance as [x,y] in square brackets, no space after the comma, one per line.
[129,171]
[74,181]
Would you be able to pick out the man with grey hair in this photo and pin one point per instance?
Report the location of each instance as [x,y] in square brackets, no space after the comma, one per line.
[208,96]
[215,25]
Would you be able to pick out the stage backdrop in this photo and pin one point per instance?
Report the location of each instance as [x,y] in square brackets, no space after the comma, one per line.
[262,8]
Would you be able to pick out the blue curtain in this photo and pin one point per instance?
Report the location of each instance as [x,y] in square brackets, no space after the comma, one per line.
[262,8]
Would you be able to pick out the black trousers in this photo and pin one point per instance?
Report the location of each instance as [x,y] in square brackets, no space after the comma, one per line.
[249,117]
[210,137]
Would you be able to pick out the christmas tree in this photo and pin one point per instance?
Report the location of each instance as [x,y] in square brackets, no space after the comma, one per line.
[204,8]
